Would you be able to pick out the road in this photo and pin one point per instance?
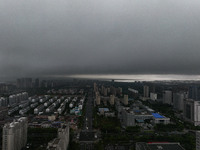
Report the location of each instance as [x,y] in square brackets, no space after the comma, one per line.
[89,112]
[87,135]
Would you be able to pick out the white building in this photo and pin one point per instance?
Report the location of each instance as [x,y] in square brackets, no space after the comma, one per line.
[125,100]
[15,134]
[191,111]
[153,96]
[112,99]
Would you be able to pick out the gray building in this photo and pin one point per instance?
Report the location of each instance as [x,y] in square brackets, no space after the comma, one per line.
[178,100]
[3,113]
[24,83]
[197,140]
[133,117]
[194,92]
[15,134]
[146,91]
[167,97]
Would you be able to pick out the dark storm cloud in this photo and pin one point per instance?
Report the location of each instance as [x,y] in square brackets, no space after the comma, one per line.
[48,37]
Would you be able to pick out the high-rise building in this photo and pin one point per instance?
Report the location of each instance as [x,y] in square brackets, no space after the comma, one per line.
[112,99]
[98,100]
[113,90]
[3,113]
[95,87]
[167,97]
[197,140]
[125,100]
[24,83]
[105,91]
[191,111]
[146,91]
[37,83]
[178,99]
[3,101]
[15,134]
[194,93]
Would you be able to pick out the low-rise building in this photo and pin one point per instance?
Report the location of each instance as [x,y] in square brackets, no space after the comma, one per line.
[138,114]
[159,119]
[133,117]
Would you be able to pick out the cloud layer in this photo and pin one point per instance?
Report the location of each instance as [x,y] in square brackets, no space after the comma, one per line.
[48,37]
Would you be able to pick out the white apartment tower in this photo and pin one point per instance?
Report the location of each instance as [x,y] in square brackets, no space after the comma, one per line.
[112,99]
[125,101]
[15,134]
[191,111]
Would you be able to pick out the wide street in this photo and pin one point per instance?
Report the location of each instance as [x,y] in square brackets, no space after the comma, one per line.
[87,135]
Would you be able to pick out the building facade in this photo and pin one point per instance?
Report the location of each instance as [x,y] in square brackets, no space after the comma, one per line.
[191,111]
[15,134]
[197,140]
[62,142]
[178,100]
[153,96]
[146,91]
[167,97]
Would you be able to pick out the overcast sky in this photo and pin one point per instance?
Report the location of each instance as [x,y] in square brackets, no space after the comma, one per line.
[57,37]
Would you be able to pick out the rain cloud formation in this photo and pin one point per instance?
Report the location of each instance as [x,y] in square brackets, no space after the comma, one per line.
[64,37]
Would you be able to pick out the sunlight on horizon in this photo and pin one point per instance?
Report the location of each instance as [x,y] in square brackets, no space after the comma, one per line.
[152,77]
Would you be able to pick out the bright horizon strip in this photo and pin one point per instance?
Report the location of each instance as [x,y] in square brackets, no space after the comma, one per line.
[141,77]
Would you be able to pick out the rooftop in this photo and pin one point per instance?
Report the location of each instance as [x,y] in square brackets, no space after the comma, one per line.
[156,115]
[159,146]
[103,109]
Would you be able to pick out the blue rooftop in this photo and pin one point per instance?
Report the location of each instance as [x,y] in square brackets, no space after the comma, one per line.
[156,115]
[103,109]
[137,111]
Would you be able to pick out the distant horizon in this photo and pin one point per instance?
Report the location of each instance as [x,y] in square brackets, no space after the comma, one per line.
[135,77]
[117,77]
